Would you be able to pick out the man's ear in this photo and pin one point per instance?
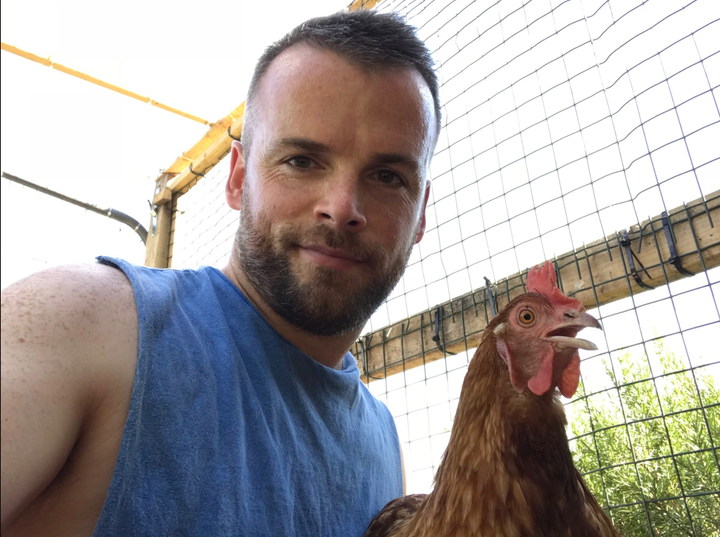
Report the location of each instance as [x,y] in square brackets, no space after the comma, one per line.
[234,186]
[421,228]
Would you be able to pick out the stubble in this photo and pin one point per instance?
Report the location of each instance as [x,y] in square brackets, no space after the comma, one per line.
[320,300]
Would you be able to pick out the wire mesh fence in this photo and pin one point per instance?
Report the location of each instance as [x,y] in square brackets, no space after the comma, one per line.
[204,226]
[585,132]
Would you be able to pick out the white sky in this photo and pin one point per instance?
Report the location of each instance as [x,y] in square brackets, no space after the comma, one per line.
[99,146]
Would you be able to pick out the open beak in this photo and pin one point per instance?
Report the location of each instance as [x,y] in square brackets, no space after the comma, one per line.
[564,333]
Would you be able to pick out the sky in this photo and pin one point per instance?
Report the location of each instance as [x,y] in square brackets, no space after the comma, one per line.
[99,146]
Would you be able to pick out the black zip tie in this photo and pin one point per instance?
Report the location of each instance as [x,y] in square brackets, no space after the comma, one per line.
[491,298]
[194,172]
[231,136]
[624,240]
[674,259]
[436,337]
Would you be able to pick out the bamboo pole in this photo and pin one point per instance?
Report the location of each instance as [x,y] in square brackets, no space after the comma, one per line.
[93,80]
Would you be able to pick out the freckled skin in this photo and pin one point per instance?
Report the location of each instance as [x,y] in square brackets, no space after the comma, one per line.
[315,95]
[69,344]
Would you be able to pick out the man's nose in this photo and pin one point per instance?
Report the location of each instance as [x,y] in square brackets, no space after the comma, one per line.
[340,206]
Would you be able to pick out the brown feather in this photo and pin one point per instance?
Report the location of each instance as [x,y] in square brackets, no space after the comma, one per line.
[393,515]
[507,470]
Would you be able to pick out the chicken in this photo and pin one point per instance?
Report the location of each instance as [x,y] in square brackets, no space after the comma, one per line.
[508,470]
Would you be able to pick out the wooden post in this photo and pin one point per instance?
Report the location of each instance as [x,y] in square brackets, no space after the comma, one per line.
[158,243]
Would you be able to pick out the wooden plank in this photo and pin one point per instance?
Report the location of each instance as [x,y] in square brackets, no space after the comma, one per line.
[163,196]
[208,158]
[216,131]
[363,4]
[157,249]
[158,244]
[596,274]
[93,80]
[173,224]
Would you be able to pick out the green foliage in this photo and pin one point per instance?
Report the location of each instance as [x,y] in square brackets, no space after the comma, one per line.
[649,446]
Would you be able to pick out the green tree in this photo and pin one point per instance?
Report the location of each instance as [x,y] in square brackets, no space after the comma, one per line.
[648,447]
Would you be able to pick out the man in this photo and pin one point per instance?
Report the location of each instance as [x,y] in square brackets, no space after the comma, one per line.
[146,402]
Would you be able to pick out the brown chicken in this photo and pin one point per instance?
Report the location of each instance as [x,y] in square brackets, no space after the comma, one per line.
[507,470]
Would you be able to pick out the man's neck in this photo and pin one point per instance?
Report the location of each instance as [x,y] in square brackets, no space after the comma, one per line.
[327,350]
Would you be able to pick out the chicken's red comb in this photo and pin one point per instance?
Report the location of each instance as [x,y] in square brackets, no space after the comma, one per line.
[542,280]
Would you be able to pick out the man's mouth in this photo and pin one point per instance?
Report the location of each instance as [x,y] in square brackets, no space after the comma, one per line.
[331,257]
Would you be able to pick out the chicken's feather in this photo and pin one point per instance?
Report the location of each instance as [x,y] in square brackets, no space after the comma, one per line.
[507,470]
[393,514]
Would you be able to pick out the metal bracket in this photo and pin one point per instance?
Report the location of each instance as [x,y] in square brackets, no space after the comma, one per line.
[153,214]
[674,259]
[624,241]
[491,298]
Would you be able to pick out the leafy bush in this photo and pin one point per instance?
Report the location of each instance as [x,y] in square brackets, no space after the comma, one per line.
[645,446]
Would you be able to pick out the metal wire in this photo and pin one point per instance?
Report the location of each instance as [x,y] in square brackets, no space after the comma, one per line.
[564,122]
[629,192]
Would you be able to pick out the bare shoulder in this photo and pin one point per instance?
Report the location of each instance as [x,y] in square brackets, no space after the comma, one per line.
[76,313]
[70,287]
[69,346]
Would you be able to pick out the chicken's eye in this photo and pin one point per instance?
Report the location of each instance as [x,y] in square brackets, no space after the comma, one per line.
[526,317]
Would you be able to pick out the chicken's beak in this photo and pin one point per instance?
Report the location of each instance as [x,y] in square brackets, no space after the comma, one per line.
[563,334]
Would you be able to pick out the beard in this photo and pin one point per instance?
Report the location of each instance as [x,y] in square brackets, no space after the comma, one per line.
[326,301]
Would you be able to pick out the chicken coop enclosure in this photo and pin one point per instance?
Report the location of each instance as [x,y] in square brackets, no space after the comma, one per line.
[586,132]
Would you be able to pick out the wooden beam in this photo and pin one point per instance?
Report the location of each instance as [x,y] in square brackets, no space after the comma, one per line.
[156,253]
[213,153]
[93,80]
[158,241]
[595,274]
[363,4]
[218,132]
[173,224]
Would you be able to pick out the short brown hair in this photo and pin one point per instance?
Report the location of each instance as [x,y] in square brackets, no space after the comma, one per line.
[365,38]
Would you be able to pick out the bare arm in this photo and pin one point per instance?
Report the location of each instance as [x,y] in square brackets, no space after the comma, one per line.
[59,328]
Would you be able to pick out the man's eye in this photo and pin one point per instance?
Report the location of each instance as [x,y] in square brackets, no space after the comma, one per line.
[387,177]
[300,162]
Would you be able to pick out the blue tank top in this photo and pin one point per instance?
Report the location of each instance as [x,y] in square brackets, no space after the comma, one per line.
[232,430]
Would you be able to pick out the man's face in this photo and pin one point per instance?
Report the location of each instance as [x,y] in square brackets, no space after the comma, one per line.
[333,191]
